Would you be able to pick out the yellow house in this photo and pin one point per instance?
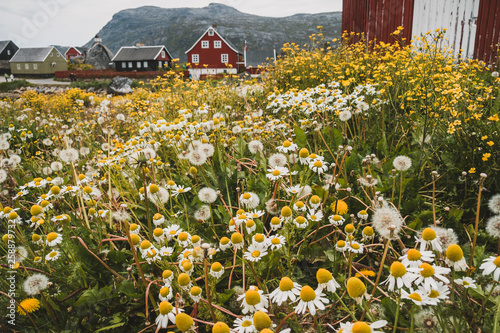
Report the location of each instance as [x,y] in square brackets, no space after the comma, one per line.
[38,61]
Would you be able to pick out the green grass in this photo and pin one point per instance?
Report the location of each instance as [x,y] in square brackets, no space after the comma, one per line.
[97,84]
[13,85]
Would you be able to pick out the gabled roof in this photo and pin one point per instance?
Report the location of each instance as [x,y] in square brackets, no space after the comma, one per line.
[3,44]
[132,53]
[231,46]
[81,50]
[33,54]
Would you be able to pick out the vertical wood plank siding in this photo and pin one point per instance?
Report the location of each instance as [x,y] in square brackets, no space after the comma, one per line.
[487,32]
[456,16]
[377,18]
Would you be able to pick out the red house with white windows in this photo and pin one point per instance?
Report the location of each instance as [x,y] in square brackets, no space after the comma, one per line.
[73,52]
[213,54]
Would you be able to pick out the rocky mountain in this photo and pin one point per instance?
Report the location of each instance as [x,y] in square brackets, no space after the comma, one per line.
[179,28]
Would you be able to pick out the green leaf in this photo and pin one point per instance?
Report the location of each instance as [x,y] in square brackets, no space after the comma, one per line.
[390,308]
[330,255]
[110,327]
[94,295]
[300,137]
[382,146]
[223,298]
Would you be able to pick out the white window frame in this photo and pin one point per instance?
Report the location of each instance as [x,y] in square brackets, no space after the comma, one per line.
[130,64]
[225,57]
[210,32]
[195,58]
[18,66]
[124,64]
[217,44]
[51,54]
[139,64]
[205,44]
[26,66]
[8,52]
[163,54]
[145,64]
[160,64]
[35,66]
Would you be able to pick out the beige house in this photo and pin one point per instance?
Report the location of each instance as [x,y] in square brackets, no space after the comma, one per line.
[38,61]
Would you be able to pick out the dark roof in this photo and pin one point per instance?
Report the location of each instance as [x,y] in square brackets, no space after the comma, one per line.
[32,54]
[132,53]
[3,44]
[231,46]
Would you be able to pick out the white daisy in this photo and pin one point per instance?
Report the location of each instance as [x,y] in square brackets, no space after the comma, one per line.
[413,258]
[254,253]
[429,238]
[418,297]
[253,300]
[427,274]
[326,280]
[310,300]
[466,282]
[216,270]
[287,290]
[276,173]
[52,255]
[399,277]
[53,238]
[491,265]
[276,242]
[244,325]
[315,216]
[167,312]
[336,219]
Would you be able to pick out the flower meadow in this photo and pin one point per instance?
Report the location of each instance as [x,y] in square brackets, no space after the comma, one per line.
[353,189]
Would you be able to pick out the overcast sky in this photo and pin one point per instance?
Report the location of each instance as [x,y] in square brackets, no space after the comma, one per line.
[31,23]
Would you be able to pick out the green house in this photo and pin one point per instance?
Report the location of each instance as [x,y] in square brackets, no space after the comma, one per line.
[38,61]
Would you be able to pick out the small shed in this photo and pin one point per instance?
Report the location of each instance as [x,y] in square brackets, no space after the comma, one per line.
[213,54]
[7,51]
[472,26]
[142,58]
[37,61]
[75,52]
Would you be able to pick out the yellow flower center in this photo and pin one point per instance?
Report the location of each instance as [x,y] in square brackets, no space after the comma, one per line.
[224,240]
[180,191]
[318,164]
[397,269]
[454,253]
[195,239]
[349,228]
[157,216]
[363,212]
[315,200]
[286,284]
[183,279]
[368,231]
[51,236]
[216,267]
[497,261]
[145,244]
[275,220]
[187,265]
[276,173]
[183,236]
[255,254]
[259,238]
[53,254]
[323,276]
[313,156]
[247,196]
[299,204]
[158,232]
[414,255]
[303,153]
[35,237]
[36,210]
[337,217]
[286,211]
[220,327]
[261,321]
[164,291]
[153,188]
[166,274]
[151,253]
[252,297]
[275,241]
[246,323]
[183,322]
[250,223]
[428,234]
[133,227]
[195,291]
[236,238]
[55,189]
[355,287]
[434,294]
[287,144]
[360,327]
[355,246]
[135,239]
[313,217]
[341,243]
[427,270]
[300,220]
[172,232]
[307,294]
[415,297]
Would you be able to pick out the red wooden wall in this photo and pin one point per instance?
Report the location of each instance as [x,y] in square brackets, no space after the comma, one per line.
[378,18]
[212,56]
[488,31]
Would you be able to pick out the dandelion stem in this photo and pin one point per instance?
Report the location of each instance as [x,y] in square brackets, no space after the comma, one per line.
[397,314]
[477,220]
[401,191]
[150,230]
[345,307]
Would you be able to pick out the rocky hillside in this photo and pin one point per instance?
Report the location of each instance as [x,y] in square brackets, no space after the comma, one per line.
[179,28]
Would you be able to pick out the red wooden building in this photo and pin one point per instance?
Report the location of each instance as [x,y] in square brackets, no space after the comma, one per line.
[74,52]
[472,26]
[212,54]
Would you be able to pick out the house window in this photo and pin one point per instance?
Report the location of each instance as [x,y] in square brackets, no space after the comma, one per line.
[138,64]
[160,65]
[18,66]
[8,52]
[204,44]
[130,64]
[195,58]
[26,66]
[163,54]
[224,58]
[35,66]
[124,65]
[210,32]
[145,63]
[51,54]
[217,44]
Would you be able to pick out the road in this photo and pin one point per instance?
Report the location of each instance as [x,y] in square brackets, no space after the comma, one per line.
[48,82]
